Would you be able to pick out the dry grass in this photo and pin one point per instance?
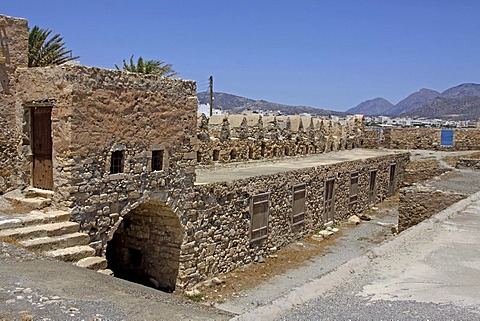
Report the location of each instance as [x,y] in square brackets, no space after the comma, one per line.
[291,256]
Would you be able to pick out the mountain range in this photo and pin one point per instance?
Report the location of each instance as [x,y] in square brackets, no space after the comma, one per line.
[237,104]
[461,102]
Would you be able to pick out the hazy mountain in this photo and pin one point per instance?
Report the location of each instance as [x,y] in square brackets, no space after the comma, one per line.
[377,106]
[463,90]
[461,108]
[237,104]
[413,101]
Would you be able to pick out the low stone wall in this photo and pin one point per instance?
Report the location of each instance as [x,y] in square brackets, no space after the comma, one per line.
[418,203]
[218,221]
[428,138]
[468,163]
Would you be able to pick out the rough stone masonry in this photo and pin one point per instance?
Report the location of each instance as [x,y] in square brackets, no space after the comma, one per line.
[120,152]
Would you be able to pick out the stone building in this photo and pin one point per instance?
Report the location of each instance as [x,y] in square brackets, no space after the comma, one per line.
[119,151]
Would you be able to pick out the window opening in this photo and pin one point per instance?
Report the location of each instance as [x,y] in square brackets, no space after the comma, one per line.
[157,160]
[259,209]
[216,155]
[116,164]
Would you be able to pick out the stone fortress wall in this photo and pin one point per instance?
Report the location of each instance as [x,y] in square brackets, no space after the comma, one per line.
[124,152]
[234,138]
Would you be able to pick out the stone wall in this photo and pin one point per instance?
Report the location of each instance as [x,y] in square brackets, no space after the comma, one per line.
[14,48]
[234,138]
[425,138]
[97,112]
[218,220]
[468,163]
[418,203]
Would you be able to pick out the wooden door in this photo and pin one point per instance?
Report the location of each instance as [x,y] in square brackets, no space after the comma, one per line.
[42,147]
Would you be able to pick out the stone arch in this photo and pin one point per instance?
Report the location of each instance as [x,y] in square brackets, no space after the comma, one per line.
[233,154]
[146,246]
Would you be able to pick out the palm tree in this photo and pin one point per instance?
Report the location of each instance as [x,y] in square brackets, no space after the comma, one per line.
[153,67]
[43,52]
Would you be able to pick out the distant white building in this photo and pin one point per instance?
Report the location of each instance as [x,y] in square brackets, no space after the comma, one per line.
[205,109]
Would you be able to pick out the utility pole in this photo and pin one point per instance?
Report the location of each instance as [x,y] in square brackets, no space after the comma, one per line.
[211,95]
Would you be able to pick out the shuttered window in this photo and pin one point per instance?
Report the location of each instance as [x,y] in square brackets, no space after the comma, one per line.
[259,207]
[353,187]
[298,210]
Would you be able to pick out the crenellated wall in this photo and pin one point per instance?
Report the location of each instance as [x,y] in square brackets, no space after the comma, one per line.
[234,138]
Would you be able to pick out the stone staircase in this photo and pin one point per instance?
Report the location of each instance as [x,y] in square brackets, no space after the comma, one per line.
[25,218]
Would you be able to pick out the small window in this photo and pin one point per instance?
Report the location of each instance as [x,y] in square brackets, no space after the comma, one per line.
[199,157]
[116,163]
[216,155]
[259,207]
[157,160]
[353,187]
[298,209]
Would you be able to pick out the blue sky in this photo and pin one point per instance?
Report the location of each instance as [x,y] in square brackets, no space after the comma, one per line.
[326,54]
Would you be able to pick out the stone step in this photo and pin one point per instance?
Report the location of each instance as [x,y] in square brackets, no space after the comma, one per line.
[93,263]
[32,218]
[56,242]
[71,254]
[43,230]
[18,199]
[38,192]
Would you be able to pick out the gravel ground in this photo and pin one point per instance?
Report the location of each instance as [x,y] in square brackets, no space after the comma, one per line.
[35,288]
[344,304]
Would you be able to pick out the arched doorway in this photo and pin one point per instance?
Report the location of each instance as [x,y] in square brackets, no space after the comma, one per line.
[145,248]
